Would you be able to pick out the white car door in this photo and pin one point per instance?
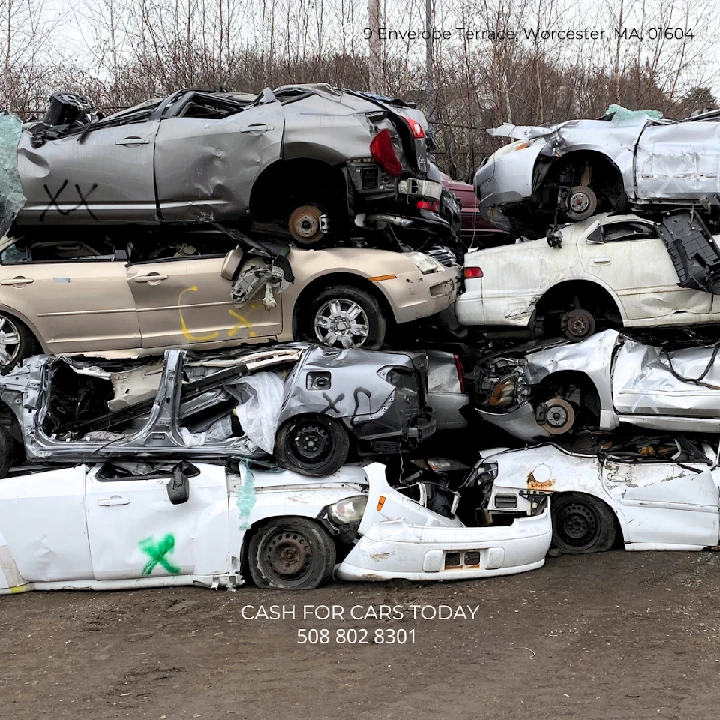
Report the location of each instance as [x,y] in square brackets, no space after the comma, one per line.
[136,532]
[679,161]
[42,518]
[665,504]
[629,257]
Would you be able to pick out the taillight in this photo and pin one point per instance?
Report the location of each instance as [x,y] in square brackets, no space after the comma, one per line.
[383,153]
[473,273]
[415,128]
[460,372]
[425,205]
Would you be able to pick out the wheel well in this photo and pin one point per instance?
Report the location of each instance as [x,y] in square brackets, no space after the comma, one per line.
[591,296]
[573,386]
[326,281]
[285,180]
[619,538]
[606,180]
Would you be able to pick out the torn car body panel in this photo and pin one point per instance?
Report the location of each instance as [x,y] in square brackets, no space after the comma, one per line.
[423,545]
[659,505]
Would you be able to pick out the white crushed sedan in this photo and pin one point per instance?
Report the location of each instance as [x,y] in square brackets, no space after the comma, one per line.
[648,494]
[123,525]
[609,270]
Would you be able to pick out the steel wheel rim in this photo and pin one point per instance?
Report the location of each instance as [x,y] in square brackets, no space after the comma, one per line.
[310,444]
[577,525]
[9,341]
[341,323]
[287,554]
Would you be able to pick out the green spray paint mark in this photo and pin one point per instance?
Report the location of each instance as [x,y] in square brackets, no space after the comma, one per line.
[246,495]
[157,552]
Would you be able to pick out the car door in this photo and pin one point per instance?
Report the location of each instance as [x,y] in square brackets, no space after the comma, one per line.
[103,176]
[680,161]
[185,301]
[207,161]
[42,518]
[630,258]
[665,503]
[77,304]
[136,532]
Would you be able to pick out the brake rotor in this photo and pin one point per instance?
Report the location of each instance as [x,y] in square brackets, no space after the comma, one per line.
[305,224]
[557,416]
[578,324]
[581,202]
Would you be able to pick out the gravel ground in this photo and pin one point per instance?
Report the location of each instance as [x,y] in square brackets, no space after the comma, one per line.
[615,636]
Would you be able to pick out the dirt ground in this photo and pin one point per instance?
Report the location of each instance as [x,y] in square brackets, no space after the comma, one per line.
[615,636]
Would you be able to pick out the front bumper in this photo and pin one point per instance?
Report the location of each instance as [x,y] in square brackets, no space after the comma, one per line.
[396,550]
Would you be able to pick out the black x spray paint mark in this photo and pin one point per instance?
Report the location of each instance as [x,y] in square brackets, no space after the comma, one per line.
[332,404]
[54,200]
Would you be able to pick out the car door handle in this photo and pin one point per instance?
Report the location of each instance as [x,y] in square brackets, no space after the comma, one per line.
[601,261]
[133,140]
[19,281]
[114,500]
[257,128]
[150,278]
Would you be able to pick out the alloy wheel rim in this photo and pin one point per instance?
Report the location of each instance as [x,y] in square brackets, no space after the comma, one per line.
[9,341]
[341,323]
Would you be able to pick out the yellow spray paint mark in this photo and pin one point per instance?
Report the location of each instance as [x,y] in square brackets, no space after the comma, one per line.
[18,589]
[243,323]
[188,335]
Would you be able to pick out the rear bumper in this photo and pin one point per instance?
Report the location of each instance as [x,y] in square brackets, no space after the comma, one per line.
[395,550]
[473,308]
[413,295]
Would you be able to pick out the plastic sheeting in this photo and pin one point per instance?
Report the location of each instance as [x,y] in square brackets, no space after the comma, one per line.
[622,113]
[11,193]
[261,397]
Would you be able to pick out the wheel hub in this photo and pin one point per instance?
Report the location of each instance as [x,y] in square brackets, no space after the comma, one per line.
[556,416]
[579,202]
[306,226]
[311,442]
[342,323]
[578,525]
[288,553]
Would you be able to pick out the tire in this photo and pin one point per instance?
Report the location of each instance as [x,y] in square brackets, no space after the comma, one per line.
[346,317]
[581,524]
[291,553]
[312,445]
[16,343]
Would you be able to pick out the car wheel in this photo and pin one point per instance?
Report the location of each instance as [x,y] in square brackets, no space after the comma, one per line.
[347,317]
[556,416]
[581,203]
[582,524]
[577,324]
[16,343]
[291,553]
[314,445]
[306,224]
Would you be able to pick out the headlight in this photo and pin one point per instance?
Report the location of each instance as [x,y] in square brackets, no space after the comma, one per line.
[424,263]
[349,510]
[483,473]
[504,393]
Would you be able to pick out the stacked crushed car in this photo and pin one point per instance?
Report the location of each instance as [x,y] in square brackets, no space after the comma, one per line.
[217,335]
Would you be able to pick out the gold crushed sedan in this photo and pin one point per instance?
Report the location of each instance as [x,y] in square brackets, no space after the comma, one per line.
[125,296]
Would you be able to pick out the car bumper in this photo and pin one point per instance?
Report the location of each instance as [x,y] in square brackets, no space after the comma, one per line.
[396,550]
[413,295]
[473,308]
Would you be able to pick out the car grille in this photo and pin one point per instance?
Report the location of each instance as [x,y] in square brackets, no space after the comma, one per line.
[444,255]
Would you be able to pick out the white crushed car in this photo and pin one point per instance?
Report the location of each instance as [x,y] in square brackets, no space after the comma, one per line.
[649,494]
[576,168]
[601,383]
[610,270]
[122,525]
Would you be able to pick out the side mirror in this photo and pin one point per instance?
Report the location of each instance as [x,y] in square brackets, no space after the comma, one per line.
[231,264]
[178,489]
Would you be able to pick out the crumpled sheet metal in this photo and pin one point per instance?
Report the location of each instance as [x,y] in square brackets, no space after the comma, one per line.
[643,383]
[11,193]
